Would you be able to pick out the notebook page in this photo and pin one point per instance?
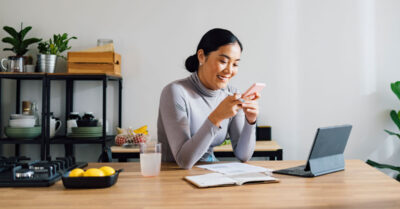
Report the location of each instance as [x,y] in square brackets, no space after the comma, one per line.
[235,168]
[252,177]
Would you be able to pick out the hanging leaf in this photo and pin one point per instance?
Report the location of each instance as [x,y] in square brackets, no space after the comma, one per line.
[24,32]
[10,41]
[378,165]
[395,118]
[392,133]
[11,31]
[396,88]
[29,41]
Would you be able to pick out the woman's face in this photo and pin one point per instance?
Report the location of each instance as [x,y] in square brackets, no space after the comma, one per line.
[218,67]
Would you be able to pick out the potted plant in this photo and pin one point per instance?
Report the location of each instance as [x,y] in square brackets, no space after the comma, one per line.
[19,46]
[50,50]
[395,116]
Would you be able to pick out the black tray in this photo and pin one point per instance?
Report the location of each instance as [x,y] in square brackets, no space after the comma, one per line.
[90,182]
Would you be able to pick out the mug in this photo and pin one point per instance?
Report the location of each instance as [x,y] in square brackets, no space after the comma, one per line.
[55,126]
[14,64]
[70,124]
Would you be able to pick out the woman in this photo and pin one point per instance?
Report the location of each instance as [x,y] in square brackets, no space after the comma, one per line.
[197,113]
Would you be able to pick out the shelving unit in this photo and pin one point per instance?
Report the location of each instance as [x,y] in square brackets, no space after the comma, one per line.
[44,139]
[69,141]
[18,77]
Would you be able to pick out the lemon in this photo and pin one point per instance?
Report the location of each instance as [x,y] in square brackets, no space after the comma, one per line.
[107,170]
[77,172]
[93,172]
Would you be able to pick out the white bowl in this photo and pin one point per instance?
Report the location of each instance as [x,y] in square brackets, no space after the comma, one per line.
[21,116]
[22,123]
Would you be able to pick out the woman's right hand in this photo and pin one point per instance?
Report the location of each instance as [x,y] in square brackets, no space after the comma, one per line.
[226,109]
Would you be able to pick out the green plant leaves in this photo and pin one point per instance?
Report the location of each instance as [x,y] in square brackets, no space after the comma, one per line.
[395,118]
[392,133]
[379,165]
[30,41]
[24,32]
[20,46]
[396,88]
[56,46]
[10,41]
[11,31]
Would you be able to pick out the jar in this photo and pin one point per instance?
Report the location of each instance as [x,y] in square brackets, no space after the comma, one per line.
[88,116]
[26,108]
[74,116]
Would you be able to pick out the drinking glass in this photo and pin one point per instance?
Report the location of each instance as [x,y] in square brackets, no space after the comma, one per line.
[101,42]
[150,158]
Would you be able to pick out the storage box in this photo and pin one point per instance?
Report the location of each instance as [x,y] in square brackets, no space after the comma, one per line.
[94,62]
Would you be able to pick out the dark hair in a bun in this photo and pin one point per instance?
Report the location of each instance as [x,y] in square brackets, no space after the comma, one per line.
[210,42]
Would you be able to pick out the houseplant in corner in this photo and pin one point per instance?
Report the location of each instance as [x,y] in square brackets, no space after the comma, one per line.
[19,47]
[50,50]
[395,116]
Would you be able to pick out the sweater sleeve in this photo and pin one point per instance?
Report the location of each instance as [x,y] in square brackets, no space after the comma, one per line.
[187,148]
[243,137]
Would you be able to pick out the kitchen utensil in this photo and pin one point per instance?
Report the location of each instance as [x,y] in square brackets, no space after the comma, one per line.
[25,133]
[24,122]
[55,125]
[21,116]
[87,123]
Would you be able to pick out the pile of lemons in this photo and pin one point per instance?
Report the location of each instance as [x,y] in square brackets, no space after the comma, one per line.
[92,172]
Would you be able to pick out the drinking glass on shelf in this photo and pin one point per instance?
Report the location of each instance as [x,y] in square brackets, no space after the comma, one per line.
[150,159]
[101,42]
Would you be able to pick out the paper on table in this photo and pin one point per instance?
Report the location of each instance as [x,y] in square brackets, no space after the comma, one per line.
[235,168]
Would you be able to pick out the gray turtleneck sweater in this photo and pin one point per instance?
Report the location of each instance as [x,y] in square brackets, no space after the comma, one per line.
[186,133]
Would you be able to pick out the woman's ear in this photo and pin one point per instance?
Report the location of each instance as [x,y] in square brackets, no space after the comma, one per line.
[201,56]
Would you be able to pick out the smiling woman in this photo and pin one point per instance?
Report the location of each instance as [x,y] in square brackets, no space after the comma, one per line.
[197,113]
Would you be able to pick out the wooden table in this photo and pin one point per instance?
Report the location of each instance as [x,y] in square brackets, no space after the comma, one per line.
[269,149]
[359,186]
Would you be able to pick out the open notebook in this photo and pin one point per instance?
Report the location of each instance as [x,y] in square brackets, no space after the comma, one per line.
[219,179]
[231,174]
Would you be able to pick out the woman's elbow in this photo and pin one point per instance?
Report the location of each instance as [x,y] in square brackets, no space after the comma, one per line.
[244,157]
[185,164]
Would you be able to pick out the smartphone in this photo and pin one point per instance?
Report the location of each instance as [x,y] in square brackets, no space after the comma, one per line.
[256,87]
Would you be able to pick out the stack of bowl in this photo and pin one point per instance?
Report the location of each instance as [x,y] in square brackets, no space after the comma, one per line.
[22,126]
[87,128]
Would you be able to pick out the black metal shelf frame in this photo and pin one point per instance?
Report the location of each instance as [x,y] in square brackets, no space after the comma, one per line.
[44,139]
[68,142]
[18,77]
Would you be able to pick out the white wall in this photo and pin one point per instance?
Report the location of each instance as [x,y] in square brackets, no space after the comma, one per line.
[325,62]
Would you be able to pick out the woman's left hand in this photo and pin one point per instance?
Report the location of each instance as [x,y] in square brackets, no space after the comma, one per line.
[250,107]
